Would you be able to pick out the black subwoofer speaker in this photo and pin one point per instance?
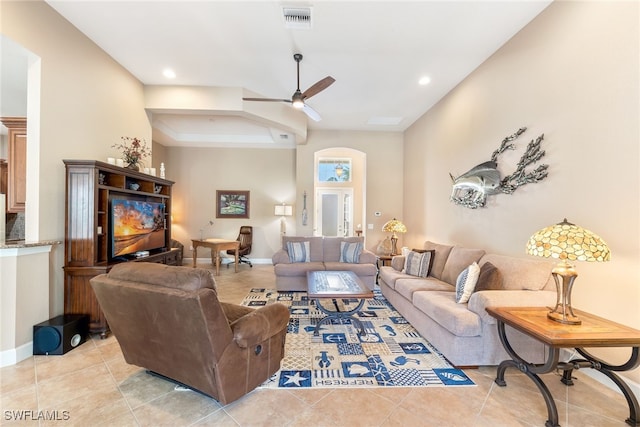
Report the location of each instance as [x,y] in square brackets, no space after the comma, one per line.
[60,334]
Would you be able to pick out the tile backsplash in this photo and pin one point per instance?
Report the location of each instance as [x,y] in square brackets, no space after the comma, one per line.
[15,226]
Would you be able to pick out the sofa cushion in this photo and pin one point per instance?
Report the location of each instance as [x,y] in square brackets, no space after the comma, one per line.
[331,246]
[350,252]
[315,246]
[466,283]
[389,275]
[298,251]
[297,269]
[441,307]
[522,273]
[490,278]
[418,263]
[459,259]
[361,270]
[406,286]
[439,257]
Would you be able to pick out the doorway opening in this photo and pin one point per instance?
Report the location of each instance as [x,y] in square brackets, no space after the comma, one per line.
[339,192]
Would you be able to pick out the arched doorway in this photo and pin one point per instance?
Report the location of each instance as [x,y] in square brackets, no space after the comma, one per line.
[339,191]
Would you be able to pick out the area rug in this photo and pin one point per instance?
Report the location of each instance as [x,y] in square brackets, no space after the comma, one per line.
[391,354]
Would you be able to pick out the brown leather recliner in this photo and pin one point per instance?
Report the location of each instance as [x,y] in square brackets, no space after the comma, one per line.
[169,321]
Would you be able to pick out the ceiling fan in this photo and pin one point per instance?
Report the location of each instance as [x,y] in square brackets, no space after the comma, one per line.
[298,99]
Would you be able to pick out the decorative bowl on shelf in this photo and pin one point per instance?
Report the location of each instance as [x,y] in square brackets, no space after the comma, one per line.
[134,186]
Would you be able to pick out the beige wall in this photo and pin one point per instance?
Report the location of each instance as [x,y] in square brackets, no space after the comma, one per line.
[269,175]
[274,176]
[571,74]
[86,103]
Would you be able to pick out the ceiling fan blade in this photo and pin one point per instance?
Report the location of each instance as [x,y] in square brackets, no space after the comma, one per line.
[318,87]
[266,99]
[313,114]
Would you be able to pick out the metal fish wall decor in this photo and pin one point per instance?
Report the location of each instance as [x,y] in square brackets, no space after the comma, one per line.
[472,188]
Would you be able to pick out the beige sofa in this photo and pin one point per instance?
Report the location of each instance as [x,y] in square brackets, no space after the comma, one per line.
[464,332]
[324,254]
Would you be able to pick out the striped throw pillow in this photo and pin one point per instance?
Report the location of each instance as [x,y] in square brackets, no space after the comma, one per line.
[350,252]
[418,264]
[298,251]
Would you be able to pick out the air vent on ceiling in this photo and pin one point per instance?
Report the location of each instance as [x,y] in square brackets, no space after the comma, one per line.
[298,18]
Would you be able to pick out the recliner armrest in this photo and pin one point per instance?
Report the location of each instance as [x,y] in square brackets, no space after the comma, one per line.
[260,325]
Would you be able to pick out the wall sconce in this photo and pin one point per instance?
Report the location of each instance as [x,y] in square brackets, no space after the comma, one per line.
[282,211]
[339,170]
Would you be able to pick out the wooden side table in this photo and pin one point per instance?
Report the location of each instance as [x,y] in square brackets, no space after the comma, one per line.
[593,332]
[216,246]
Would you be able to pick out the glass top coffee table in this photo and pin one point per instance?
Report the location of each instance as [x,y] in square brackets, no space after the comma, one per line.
[333,285]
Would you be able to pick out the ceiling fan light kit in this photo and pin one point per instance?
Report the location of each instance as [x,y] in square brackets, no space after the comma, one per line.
[298,98]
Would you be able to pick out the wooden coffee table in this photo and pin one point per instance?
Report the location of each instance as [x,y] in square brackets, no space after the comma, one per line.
[593,332]
[333,285]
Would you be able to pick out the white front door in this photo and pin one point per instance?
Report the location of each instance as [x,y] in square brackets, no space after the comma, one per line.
[334,212]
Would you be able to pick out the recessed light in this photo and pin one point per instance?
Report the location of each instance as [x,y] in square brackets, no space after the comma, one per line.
[169,73]
[424,80]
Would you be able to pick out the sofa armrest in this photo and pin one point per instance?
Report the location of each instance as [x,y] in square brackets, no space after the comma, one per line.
[480,300]
[367,257]
[397,262]
[280,257]
[260,325]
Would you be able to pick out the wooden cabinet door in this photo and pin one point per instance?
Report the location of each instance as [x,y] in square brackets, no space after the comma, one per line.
[17,165]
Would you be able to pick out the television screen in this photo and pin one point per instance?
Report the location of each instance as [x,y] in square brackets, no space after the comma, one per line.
[136,226]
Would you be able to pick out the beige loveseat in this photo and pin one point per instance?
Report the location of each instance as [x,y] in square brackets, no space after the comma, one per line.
[324,254]
[464,332]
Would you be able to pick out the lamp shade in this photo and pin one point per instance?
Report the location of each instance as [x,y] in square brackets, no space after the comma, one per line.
[394,226]
[568,242]
[283,210]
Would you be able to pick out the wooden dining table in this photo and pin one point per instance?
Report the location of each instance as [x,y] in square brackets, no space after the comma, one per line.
[216,245]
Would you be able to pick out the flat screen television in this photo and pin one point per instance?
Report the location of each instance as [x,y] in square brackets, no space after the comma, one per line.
[136,226]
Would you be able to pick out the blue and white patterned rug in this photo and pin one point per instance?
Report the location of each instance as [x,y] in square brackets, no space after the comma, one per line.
[392,354]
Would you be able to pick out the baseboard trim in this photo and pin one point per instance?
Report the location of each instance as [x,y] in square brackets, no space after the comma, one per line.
[15,355]
[601,378]
[189,261]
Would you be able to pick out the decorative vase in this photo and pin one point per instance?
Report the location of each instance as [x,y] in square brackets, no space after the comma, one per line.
[384,248]
[133,166]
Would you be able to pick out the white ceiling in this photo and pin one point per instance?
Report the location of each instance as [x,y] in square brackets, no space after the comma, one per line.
[376,50]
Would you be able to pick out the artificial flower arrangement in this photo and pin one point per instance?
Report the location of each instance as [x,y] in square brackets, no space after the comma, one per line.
[133,151]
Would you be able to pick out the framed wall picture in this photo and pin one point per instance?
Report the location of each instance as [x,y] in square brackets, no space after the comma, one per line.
[232,204]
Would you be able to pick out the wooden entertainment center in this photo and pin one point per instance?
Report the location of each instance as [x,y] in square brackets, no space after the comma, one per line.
[90,187]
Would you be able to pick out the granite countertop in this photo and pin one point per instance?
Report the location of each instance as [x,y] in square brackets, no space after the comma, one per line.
[15,244]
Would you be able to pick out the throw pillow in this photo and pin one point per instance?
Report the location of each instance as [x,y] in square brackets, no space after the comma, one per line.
[350,252]
[466,282]
[298,251]
[418,263]
[490,278]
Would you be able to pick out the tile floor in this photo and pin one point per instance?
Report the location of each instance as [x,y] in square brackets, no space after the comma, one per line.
[93,386]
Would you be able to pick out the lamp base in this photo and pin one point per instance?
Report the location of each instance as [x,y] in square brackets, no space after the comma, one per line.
[394,245]
[564,275]
[567,319]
